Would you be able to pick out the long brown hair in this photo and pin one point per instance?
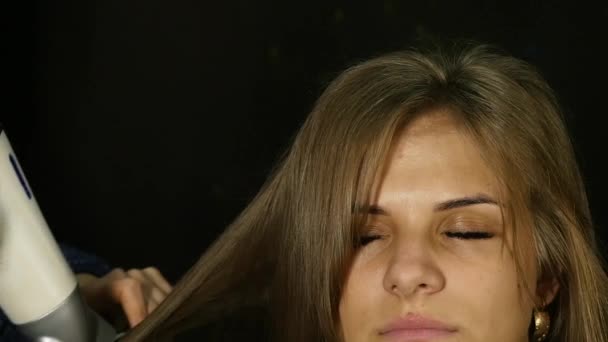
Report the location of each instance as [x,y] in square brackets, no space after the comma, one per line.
[288,252]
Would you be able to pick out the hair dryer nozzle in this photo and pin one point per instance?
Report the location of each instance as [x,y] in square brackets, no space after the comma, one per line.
[38,291]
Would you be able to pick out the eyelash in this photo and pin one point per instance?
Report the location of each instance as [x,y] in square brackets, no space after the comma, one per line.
[470,235]
[364,240]
[457,235]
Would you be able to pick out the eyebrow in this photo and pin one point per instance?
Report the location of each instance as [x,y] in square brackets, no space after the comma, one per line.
[445,205]
[464,202]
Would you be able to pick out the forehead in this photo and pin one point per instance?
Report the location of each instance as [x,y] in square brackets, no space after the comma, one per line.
[434,154]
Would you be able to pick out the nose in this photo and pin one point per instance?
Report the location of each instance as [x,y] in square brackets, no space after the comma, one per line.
[413,270]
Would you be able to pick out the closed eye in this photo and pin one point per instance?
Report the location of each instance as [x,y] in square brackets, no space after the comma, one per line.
[469,235]
[364,240]
[367,239]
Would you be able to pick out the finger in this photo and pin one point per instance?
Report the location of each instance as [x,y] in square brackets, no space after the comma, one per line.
[154,274]
[115,274]
[129,294]
[146,283]
[139,275]
[150,289]
[157,295]
[151,305]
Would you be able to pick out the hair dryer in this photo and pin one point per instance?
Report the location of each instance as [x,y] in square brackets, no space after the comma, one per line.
[38,291]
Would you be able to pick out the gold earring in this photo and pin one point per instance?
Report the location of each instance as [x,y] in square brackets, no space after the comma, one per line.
[541,325]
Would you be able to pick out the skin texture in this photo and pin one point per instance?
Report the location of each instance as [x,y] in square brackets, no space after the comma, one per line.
[125,298]
[415,261]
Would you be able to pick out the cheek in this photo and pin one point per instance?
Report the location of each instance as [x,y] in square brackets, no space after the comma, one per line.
[362,293]
[488,298]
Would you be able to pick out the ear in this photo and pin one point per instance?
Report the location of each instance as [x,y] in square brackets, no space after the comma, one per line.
[546,290]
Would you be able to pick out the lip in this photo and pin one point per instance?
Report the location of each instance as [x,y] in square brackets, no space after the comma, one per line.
[416,328]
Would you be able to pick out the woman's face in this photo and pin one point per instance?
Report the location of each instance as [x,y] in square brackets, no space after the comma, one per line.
[432,266]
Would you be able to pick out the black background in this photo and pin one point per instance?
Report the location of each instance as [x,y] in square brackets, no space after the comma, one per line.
[144,127]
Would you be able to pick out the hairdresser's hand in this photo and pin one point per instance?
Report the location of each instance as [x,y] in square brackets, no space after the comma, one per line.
[118,295]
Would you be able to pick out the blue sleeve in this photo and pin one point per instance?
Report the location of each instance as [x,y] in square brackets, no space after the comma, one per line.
[80,262]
